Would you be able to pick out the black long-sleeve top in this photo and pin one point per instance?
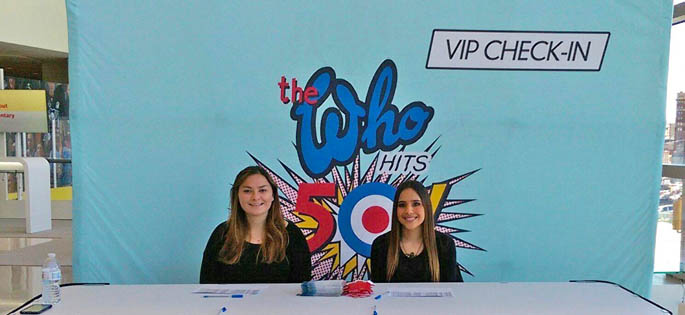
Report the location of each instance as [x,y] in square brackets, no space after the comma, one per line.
[415,269]
[296,267]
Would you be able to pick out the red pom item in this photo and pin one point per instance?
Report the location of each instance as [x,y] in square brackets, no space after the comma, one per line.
[358,289]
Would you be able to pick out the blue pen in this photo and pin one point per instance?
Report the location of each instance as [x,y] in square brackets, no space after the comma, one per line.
[374,310]
[235,296]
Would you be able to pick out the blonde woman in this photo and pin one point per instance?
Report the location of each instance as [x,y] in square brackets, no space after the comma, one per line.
[413,251]
[255,245]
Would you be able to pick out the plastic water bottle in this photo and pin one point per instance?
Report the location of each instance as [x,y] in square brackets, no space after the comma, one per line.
[51,277]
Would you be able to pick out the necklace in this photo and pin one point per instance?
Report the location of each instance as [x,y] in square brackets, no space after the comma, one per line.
[411,254]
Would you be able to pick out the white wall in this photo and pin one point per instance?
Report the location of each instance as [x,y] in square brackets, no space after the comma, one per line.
[34,23]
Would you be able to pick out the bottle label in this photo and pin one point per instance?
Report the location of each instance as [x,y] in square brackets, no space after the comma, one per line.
[53,275]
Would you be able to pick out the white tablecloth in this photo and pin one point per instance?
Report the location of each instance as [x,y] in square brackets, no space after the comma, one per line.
[469,298]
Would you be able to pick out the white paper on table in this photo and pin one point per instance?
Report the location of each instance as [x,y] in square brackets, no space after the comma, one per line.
[420,292]
[230,289]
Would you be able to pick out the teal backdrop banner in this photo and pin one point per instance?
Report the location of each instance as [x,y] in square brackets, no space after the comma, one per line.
[537,127]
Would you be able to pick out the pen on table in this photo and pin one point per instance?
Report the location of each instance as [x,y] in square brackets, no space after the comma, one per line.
[235,296]
[377,297]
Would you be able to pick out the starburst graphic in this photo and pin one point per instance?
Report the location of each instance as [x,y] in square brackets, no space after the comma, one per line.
[332,256]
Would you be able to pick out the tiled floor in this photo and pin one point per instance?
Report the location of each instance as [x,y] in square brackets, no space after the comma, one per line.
[667,292]
[21,256]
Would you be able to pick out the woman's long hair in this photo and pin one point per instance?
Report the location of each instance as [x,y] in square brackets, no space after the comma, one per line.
[427,227]
[275,240]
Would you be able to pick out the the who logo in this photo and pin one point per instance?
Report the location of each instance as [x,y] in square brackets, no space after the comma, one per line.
[341,207]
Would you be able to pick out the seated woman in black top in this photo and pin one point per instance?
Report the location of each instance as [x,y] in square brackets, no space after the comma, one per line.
[255,245]
[413,251]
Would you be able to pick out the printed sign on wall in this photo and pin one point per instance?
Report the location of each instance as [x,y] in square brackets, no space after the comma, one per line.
[23,111]
[520,147]
[515,50]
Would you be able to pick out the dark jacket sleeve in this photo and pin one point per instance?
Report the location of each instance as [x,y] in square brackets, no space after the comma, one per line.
[298,255]
[449,271]
[379,257]
[208,270]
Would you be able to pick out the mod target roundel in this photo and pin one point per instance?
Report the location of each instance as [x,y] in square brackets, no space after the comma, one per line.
[365,214]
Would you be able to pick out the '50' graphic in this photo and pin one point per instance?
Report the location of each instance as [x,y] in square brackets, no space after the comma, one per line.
[362,216]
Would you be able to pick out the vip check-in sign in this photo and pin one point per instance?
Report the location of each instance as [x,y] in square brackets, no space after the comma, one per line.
[517,50]
[23,111]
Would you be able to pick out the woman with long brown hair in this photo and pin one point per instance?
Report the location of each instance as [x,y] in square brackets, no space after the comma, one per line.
[255,245]
[413,251]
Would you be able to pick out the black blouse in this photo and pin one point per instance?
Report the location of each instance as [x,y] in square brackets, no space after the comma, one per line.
[415,269]
[296,267]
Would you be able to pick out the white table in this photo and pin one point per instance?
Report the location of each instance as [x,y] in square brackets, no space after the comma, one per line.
[470,298]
